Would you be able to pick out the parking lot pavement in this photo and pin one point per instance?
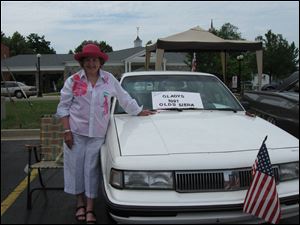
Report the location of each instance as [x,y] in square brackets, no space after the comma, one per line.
[51,207]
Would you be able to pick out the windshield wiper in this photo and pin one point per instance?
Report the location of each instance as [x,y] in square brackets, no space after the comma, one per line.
[226,109]
[192,109]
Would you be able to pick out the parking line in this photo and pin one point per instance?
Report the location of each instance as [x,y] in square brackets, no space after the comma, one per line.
[12,197]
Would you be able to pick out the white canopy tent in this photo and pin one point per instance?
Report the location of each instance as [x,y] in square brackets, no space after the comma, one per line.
[196,40]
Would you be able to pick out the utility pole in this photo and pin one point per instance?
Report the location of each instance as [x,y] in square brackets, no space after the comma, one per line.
[39,75]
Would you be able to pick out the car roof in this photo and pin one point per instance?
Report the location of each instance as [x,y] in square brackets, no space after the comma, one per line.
[157,73]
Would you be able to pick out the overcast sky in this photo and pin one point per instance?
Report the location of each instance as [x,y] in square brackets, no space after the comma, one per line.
[67,24]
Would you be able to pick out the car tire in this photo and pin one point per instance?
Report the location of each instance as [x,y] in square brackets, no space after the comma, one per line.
[19,94]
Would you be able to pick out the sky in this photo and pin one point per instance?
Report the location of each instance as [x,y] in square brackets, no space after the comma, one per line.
[66,24]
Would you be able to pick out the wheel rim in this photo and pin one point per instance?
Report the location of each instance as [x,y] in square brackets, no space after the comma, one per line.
[19,94]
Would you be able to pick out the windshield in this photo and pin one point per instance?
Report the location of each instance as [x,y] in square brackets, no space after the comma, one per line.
[213,94]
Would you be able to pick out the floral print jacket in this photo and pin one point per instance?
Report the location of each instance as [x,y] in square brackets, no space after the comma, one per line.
[88,107]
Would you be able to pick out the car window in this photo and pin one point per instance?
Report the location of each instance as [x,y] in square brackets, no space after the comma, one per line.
[213,93]
[8,85]
[294,88]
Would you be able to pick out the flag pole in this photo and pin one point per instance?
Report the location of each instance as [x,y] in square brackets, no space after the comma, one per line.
[265,139]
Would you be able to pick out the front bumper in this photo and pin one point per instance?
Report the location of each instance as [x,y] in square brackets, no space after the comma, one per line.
[231,217]
[184,215]
[231,213]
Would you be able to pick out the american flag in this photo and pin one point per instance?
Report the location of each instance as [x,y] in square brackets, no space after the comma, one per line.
[262,199]
[194,64]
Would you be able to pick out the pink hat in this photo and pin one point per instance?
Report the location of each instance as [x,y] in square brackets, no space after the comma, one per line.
[91,50]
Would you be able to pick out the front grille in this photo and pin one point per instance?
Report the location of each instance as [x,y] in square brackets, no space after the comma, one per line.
[194,181]
[204,181]
[245,178]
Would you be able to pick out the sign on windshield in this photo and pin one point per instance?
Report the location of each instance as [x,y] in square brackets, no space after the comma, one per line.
[176,99]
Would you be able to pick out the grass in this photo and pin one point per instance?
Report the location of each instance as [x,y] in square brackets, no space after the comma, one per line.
[20,115]
[52,94]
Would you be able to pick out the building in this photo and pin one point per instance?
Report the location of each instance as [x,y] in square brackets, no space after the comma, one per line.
[54,68]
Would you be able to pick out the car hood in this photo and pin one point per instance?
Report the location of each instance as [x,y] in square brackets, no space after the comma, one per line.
[290,95]
[256,95]
[199,132]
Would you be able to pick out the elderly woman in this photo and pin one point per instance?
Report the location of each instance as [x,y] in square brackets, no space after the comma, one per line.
[84,111]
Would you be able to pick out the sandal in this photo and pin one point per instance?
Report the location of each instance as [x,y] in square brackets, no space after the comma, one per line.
[91,221]
[80,217]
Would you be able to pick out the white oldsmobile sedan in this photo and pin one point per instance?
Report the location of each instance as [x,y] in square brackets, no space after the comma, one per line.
[191,161]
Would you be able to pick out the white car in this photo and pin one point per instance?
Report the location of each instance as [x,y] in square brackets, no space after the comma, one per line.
[17,89]
[191,161]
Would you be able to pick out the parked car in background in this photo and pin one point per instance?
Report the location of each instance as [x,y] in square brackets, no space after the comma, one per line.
[270,87]
[279,105]
[191,161]
[17,89]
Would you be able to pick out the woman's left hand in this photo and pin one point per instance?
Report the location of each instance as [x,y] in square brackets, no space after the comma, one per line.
[146,112]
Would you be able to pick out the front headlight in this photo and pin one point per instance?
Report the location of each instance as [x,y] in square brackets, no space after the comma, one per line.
[116,178]
[148,180]
[141,180]
[289,171]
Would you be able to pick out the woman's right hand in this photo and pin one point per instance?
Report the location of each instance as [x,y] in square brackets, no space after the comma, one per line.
[68,138]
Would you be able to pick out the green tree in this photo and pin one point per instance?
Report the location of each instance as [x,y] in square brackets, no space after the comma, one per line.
[18,45]
[32,44]
[4,39]
[210,62]
[39,45]
[229,32]
[149,43]
[102,45]
[280,57]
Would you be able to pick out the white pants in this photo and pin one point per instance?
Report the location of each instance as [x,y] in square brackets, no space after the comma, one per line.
[81,166]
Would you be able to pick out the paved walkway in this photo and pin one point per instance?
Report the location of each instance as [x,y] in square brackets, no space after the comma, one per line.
[20,134]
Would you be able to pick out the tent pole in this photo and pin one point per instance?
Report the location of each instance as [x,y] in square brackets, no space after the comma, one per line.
[224,65]
[159,58]
[147,63]
[259,61]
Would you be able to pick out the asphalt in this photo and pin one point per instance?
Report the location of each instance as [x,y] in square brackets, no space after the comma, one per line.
[20,134]
[50,207]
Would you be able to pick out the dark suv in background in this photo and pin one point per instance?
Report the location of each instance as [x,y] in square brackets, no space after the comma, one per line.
[279,106]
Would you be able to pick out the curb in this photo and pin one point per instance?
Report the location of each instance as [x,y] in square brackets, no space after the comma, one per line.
[20,134]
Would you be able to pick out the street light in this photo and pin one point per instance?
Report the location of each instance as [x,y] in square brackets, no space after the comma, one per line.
[239,80]
[39,76]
